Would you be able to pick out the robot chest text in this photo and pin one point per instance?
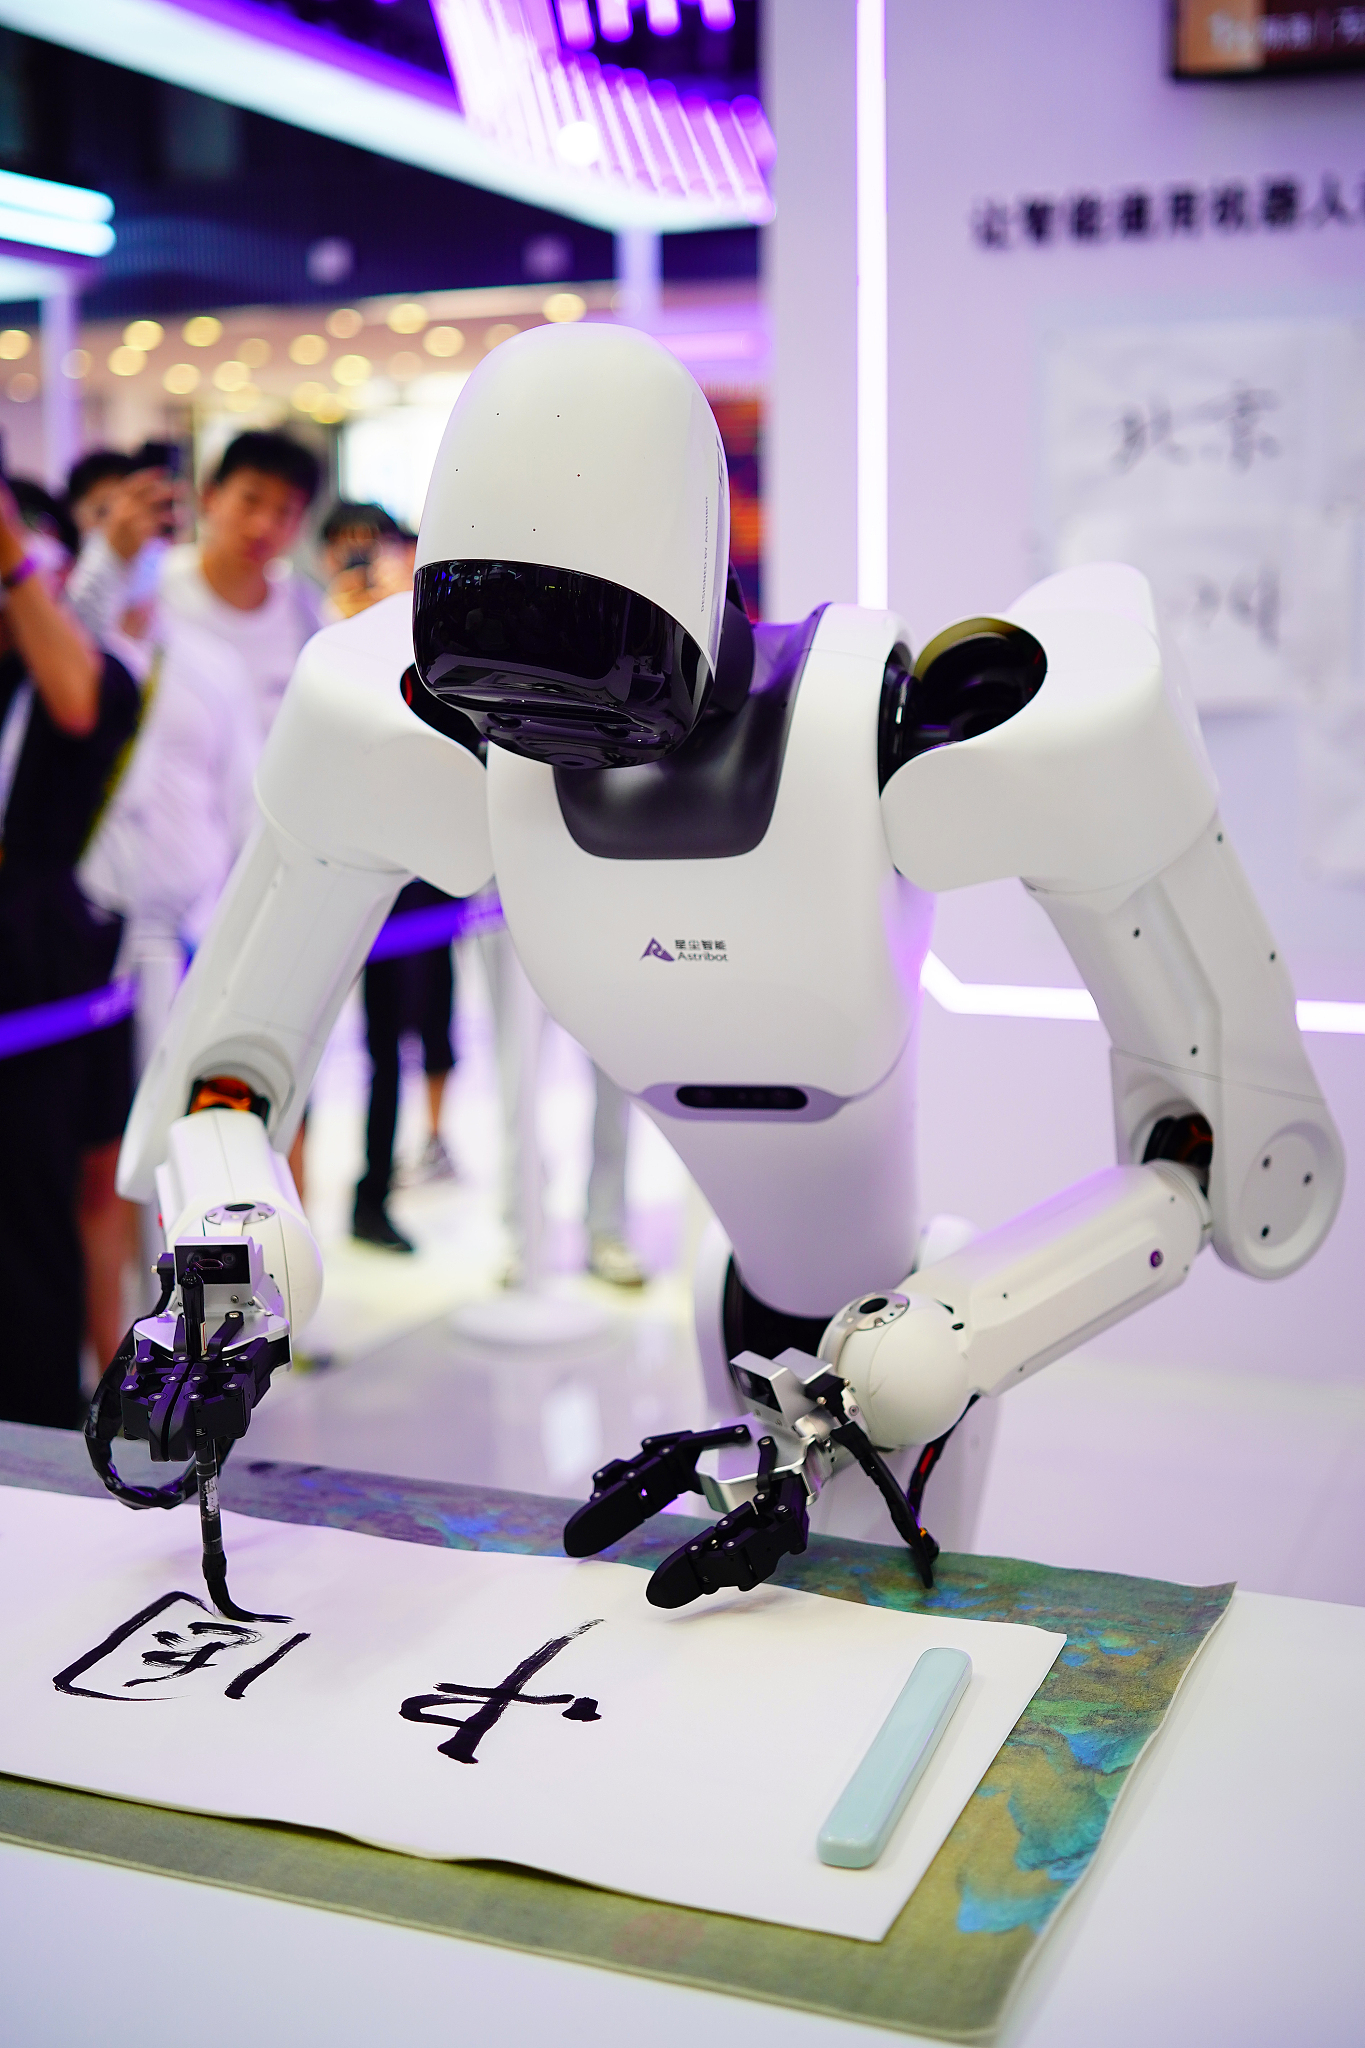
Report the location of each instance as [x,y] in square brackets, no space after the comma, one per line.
[758,937]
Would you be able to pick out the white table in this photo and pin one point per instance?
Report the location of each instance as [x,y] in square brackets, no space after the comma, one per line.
[1224,1907]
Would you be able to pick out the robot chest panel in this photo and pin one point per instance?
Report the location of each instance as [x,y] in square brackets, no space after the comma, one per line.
[796,963]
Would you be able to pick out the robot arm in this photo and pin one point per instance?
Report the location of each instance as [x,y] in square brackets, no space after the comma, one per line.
[1049,745]
[356,795]
[1098,793]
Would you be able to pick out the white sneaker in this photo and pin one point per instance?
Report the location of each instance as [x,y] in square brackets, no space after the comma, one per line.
[612,1260]
[433,1163]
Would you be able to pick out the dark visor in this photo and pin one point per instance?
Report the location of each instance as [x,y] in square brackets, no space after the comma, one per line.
[557,665]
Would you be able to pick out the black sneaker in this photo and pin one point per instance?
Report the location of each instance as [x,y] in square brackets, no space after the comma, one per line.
[372,1226]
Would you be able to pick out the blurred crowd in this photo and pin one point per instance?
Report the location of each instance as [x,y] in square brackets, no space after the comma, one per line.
[140,672]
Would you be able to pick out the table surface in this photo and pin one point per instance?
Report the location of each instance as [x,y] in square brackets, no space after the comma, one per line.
[1223,1907]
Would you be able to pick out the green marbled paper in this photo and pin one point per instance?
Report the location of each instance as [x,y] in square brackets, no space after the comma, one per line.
[949,1963]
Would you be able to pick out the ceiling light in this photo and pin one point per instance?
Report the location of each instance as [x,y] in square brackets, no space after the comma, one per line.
[254,352]
[14,343]
[564,306]
[443,341]
[578,144]
[180,380]
[308,396]
[126,361]
[23,387]
[144,334]
[351,369]
[202,331]
[76,363]
[575,24]
[307,348]
[46,215]
[231,375]
[613,18]
[493,337]
[344,322]
[407,317]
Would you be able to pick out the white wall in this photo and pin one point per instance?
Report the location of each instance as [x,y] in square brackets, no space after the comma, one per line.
[810,543]
[997,99]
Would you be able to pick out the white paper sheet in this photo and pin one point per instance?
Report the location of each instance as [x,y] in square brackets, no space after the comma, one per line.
[1226,458]
[689,1757]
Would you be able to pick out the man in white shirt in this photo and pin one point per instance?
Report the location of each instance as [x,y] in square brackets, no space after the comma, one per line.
[233,583]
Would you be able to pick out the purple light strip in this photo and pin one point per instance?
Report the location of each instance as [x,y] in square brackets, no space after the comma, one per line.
[554,104]
[325,46]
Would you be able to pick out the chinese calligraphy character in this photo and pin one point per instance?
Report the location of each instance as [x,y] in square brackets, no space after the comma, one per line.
[1287,32]
[1145,433]
[1087,218]
[1228,206]
[1182,210]
[1135,213]
[1038,217]
[1242,412]
[1255,601]
[991,225]
[497,1699]
[151,1656]
[1280,203]
[1330,204]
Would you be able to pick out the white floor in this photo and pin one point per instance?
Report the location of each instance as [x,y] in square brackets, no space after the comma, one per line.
[1101,1462]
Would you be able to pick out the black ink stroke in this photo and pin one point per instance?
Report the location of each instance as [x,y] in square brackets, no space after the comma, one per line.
[179,1663]
[176,1662]
[497,1699]
[65,1681]
[243,1679]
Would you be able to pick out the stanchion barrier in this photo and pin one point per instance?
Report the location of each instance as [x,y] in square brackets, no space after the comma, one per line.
[411,931]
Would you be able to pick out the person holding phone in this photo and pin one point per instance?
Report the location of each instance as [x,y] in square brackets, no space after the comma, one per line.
[125,510]
[67,715]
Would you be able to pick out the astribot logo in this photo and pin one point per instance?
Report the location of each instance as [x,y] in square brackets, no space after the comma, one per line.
[688,952]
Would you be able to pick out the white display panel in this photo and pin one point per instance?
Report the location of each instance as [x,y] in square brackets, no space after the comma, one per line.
[387,456]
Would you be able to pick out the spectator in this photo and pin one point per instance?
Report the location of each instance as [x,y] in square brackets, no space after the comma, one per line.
[124,509]
[180,816]
[367,556]
[518,1023]
[67,714]
[233,582]
[413,992]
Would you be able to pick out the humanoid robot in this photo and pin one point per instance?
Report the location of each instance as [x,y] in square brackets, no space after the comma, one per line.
[716,846]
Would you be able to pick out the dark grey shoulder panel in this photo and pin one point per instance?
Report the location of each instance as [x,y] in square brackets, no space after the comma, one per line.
[714,797]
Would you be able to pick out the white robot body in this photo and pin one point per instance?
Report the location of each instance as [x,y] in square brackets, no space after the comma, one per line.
[715,849]
[760,1006]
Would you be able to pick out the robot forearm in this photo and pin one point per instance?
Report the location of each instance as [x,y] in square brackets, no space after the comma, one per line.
[284,947]
[1016,1298]
[1190,985]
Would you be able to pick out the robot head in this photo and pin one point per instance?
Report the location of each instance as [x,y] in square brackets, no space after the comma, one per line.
[571,568]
